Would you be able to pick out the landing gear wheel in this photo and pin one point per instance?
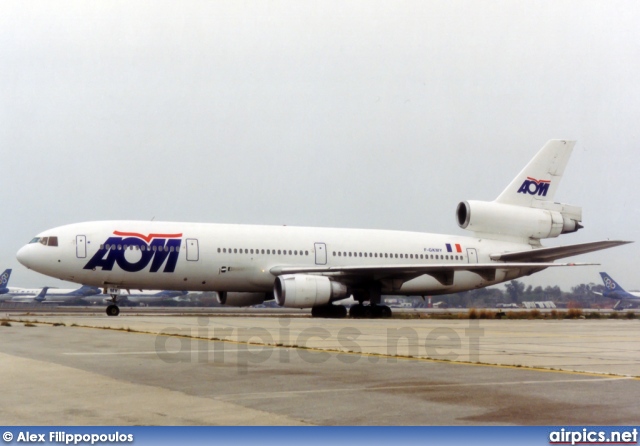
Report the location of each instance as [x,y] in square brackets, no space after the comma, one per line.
[369,311]
[113,310]
[357,311]
[329,311]
[382,311]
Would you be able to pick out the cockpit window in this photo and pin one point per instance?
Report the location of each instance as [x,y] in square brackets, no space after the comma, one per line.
[46,241]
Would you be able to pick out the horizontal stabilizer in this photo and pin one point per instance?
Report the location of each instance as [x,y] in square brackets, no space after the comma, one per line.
[557,252]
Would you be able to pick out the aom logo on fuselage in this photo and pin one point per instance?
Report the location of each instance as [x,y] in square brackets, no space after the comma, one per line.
[133,252]
[532,186]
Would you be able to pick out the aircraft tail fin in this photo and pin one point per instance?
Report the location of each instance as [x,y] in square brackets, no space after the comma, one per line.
[41,297]
[611,285]
[4,280]
[540,179]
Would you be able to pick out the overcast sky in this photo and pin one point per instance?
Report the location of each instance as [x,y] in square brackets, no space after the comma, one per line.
[368,114]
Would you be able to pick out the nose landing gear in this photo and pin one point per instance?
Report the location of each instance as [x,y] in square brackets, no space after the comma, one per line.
[113,309]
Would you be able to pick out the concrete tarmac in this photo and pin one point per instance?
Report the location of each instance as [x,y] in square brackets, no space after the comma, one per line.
[204,370]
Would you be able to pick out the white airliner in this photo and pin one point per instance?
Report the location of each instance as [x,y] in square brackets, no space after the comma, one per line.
[313,267]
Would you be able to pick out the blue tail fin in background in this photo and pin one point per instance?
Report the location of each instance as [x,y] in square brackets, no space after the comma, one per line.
[4,281]
[610,284]
[41,296]
[613,290]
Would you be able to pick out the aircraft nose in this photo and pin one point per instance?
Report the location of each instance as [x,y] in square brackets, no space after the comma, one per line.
[24,257]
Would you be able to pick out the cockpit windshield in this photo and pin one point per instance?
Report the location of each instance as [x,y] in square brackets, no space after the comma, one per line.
[46,241]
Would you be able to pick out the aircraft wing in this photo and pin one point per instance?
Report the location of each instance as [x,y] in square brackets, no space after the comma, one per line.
[557,252]
[441,272]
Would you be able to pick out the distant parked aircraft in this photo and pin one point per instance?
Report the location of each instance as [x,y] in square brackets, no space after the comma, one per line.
[614,291]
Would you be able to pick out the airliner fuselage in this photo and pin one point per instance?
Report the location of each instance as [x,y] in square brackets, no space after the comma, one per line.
[218,257]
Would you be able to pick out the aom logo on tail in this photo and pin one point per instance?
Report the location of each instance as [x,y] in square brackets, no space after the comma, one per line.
[133,252]
[532,186]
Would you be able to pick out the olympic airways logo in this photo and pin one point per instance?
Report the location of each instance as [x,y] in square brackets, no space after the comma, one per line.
[609,283]
[133,252]
[4,279]
[532,186]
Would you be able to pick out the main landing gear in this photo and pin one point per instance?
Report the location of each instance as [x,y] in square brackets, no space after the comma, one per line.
[329,311]
[360,311]
[357,311]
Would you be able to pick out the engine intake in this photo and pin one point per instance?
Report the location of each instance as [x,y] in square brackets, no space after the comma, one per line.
[306,291]
[545,220]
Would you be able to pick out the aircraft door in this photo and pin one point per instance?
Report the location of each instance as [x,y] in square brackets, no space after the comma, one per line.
[321,253]
[472,254]
[193,251]
[81,246]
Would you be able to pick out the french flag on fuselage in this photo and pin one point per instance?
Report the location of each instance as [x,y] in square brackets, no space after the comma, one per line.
[450,247]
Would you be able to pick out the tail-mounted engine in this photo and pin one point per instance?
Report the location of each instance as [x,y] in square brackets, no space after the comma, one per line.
[543,220]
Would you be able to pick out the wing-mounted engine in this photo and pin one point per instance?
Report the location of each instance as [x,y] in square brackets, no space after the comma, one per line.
[544,220]
[306,290]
